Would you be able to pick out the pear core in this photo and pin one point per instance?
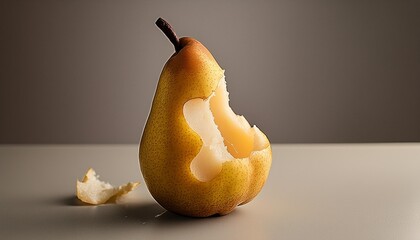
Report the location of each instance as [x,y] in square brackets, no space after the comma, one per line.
[225,135]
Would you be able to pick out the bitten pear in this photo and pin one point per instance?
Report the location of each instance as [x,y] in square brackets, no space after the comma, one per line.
[198,158]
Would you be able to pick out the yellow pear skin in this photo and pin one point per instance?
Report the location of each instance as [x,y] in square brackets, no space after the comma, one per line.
[169,145]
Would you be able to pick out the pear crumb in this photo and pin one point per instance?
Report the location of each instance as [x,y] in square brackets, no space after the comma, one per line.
[94,191]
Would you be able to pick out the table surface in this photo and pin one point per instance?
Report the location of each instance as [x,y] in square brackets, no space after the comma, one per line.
[314,191]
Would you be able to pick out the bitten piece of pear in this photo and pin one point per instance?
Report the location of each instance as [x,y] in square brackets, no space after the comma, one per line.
[94,191]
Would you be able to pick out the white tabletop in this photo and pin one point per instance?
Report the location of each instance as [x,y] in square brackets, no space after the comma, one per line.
[322,191]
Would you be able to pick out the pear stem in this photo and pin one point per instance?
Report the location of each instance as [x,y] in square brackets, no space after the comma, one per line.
[169,32]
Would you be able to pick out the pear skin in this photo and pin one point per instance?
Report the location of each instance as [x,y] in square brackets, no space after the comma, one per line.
[169,145]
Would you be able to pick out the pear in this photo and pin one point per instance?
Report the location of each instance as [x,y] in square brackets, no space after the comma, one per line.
[198,158]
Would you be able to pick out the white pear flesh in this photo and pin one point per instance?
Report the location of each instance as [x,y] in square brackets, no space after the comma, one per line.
[201,114]
[94,191]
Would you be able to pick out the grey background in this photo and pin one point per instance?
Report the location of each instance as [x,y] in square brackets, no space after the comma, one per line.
[303,71]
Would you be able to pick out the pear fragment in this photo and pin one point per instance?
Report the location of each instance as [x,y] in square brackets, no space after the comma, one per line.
[94,191]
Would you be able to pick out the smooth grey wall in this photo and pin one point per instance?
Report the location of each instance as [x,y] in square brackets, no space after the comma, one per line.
[304,71]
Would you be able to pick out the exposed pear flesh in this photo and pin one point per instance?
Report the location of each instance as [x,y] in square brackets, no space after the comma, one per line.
[236,131]
[94,191]
[215,122]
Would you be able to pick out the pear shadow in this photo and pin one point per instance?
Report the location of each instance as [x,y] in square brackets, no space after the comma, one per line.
[123,214]
[160,216]
[70,201]
[172,219]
